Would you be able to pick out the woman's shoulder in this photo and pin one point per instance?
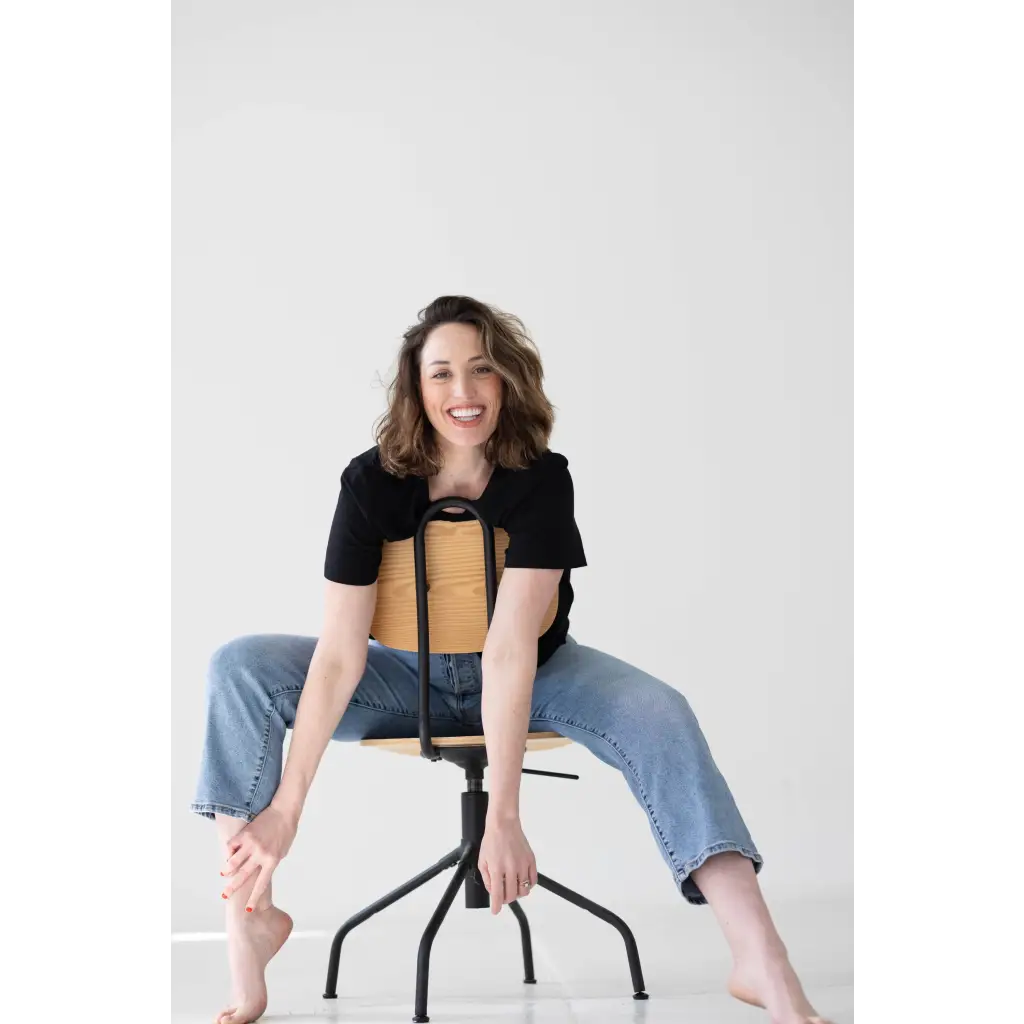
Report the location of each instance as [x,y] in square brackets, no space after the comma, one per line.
[555,460]
[548,461]
[546,467]
[365,461]
[546,475]
[366,475]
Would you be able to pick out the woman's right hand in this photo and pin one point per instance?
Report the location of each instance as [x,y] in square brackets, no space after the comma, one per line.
[259,847]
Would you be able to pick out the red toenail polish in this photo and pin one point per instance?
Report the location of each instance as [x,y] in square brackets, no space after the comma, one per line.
[248,910]
[223,895]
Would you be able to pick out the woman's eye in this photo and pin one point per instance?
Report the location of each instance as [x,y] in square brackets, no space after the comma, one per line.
[437,376]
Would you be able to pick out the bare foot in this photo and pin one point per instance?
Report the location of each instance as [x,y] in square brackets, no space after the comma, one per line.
[772,985]
[253,939]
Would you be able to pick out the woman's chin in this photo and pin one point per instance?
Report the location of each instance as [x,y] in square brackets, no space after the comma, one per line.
[465,438]
[469,436]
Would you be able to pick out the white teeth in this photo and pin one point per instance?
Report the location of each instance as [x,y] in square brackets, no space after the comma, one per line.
[465,415]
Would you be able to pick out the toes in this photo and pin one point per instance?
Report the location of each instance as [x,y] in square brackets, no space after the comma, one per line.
[238,1015]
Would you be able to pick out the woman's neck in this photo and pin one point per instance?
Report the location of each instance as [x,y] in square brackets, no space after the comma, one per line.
[464,466]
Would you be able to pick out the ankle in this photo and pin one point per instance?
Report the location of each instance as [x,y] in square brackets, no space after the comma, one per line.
[239,913]
[767,950]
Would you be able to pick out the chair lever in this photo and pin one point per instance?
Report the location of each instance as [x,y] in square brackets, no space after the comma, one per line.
[557,775]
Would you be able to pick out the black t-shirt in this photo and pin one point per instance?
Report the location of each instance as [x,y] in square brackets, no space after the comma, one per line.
[534,506]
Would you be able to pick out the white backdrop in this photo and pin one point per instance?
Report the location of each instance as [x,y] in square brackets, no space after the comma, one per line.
[662,191]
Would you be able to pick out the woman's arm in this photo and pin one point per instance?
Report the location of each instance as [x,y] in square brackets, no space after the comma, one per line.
[335,669]
[505,709]
[337,666]
[509,667]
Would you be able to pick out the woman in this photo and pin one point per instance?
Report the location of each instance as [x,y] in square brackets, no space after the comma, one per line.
[467,417]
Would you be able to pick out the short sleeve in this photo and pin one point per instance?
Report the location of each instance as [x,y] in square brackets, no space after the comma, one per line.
[542,527]
[354,545]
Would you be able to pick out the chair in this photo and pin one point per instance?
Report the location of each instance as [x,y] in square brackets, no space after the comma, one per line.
[455,623]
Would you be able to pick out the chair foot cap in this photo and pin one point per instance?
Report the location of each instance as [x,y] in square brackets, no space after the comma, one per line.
[641,995]
[330,995]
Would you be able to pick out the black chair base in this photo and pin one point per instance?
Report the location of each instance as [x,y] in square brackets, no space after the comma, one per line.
[464,859]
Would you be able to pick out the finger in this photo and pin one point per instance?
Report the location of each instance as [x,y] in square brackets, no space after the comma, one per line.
[497,894]
[530,876]
[235,862]
[262,881]
[516,887]
[485,874]
[239,879]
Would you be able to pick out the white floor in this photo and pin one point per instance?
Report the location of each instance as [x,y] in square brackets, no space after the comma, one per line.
[476,969]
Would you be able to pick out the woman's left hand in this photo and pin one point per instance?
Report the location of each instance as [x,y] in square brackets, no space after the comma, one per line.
[258,847]
[506,862]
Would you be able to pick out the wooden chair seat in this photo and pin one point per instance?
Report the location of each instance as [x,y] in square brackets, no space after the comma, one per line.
[411,745]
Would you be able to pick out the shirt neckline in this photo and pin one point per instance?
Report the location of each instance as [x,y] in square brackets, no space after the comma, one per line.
[455,517]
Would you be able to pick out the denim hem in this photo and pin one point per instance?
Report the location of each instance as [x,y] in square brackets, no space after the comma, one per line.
[207,810]
[688,887]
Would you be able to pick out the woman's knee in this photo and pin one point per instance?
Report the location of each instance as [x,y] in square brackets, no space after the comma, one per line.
[261,666]
[659,706]
[235,665]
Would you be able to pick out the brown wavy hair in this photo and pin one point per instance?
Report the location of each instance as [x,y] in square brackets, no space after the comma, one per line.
[404,434]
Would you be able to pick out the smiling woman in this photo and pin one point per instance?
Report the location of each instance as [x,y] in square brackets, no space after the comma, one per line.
[461,395]
[467,416]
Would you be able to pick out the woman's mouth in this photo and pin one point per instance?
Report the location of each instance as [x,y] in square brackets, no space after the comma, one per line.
[466,416]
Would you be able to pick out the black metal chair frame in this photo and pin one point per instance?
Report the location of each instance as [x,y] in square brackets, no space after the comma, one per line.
[473,760]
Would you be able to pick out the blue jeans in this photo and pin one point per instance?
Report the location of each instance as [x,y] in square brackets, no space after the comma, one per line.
[637,724]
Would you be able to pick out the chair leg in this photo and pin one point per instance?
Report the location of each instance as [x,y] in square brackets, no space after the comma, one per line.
[605,915]
[447,861]
[464,866]
[524,929]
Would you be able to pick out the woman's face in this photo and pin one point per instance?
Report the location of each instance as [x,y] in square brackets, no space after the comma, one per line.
[456,377]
